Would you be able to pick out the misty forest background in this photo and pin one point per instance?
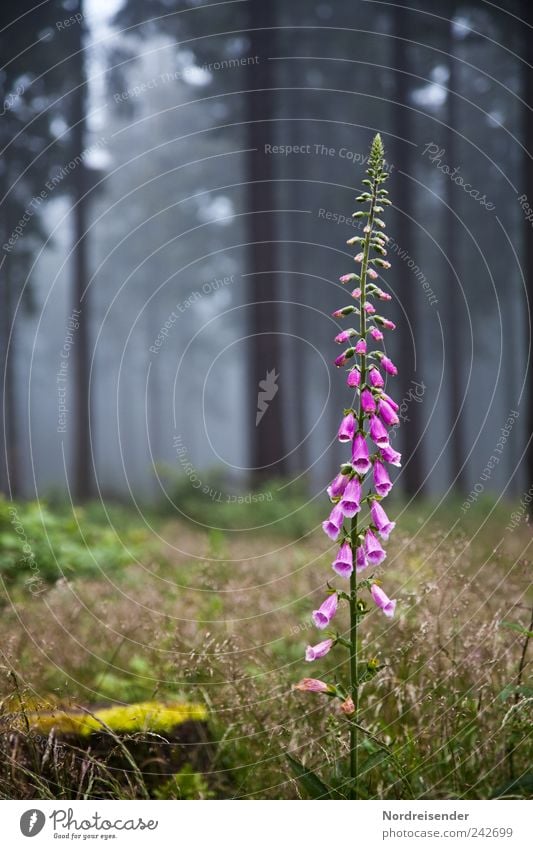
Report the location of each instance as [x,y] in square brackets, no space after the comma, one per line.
[133,152]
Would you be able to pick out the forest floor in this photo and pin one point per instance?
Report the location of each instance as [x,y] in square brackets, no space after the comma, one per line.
[222,618]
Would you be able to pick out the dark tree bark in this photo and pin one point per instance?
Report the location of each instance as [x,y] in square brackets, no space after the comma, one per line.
[267,443]
[80,293]
[526,12]
[403,198]
[453,310]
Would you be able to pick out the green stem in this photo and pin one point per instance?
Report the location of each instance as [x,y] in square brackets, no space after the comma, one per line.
[353,532]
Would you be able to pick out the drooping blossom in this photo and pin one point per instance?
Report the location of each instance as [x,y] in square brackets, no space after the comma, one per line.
[313,685]
[347,428]
[344,311]
[351,498]
[325,613]
[387,605]
[333,524]
[343,358]
[383,524]
[389,366]
[382,482]
[358,257]
[367,401]
[360,559]
[337,486]
[378,432]
[360,455]
[374,551]
[376,378]
[347,278]
[348,707]
[360,348]
[320,650]
[390,401]
[343,563]
[369,308]
[344,336]
[391,456]
[387,414]
[356,293]
[376,334]
[388,324]
[372,273]
[354,378]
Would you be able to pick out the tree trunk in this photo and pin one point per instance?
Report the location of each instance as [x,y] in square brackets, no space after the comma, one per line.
[80,293]
[267,443]
[527,15]
[404,235]
[452,303]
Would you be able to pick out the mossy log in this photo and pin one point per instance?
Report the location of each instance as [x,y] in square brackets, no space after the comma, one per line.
[155,738]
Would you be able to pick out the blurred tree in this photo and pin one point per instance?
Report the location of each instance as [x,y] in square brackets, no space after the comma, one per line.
[29,84]
[401,157]
[452,239]
[219,38]
[526,13]
[267,443]
[80,288]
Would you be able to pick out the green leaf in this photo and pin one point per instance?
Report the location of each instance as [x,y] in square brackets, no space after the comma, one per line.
[312,784]
[514,626]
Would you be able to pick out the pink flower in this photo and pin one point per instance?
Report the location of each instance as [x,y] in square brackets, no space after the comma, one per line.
[382,482]
[388,324]
[320,650]
[325,613]
[360,348]
[332,526]
[372,273]
[343,563]
[356,293]
[375,377]
[360,458]
[359,257]
[387,413]
[360,559]
[347,428]
[376,334]
[369,308]
[343,312]
[391,456]
[373,549]
[344,336]
[390,401]
[348,707]
[382,600]
[389,366]
[312,685]
[346,278]
[337,486]
[378,432]
[367,401]
[380,519]
[354,378]
[383,296]
[350,501]
[342,359]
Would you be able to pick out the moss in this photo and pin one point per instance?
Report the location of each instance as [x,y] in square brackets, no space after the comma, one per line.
[145,716]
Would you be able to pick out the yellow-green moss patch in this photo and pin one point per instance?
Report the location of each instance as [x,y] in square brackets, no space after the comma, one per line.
[145,716]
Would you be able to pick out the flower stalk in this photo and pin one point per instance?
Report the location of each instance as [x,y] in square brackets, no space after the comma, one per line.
[365,428]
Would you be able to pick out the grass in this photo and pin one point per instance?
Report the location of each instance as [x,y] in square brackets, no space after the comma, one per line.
[221,618]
